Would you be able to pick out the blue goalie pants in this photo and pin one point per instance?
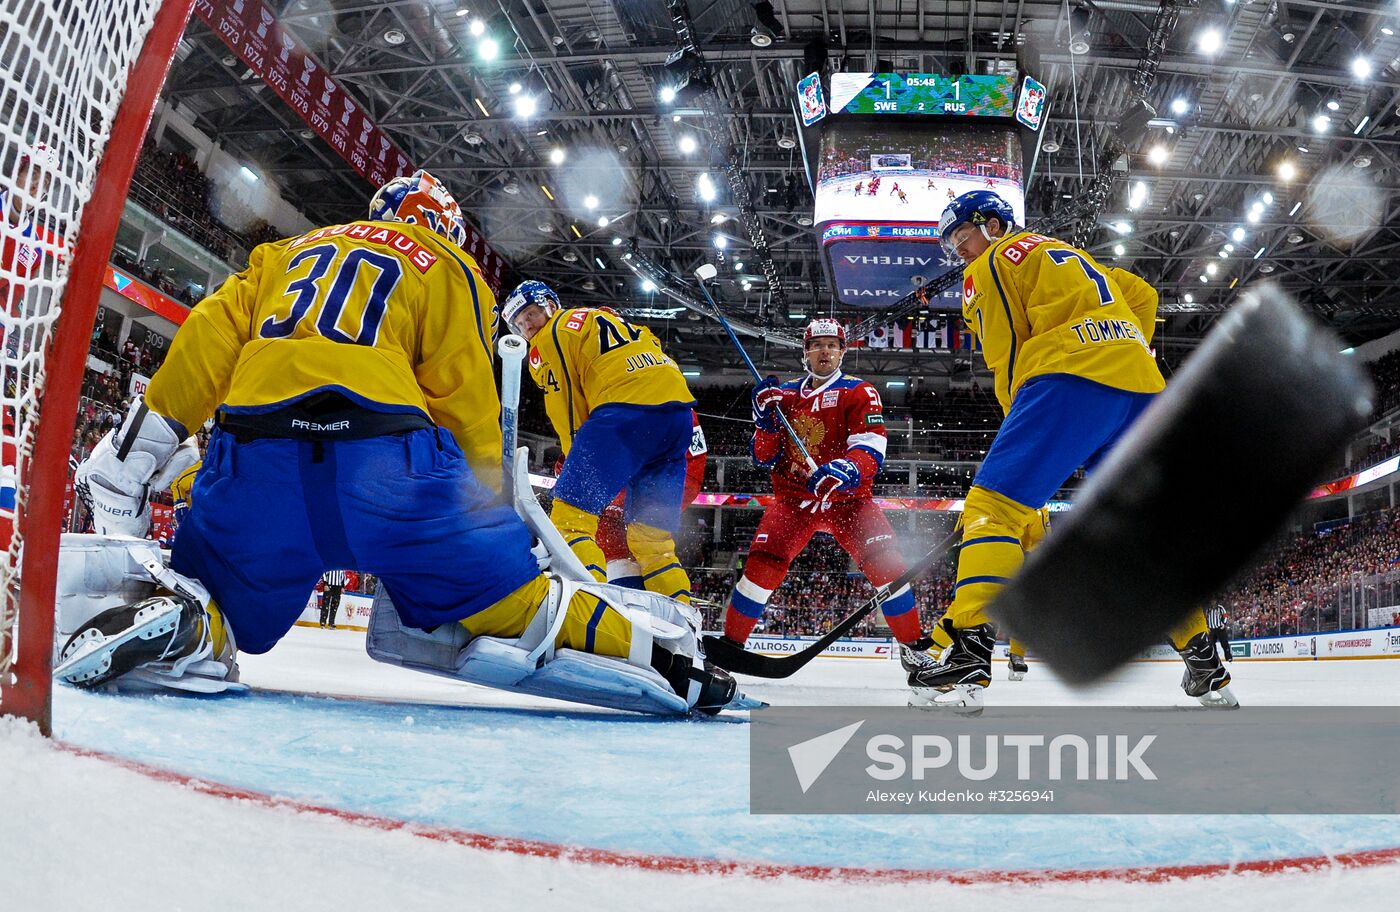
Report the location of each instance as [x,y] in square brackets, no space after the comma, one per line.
[269,516]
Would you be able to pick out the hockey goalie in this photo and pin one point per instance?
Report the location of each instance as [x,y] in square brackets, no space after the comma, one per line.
[348,373]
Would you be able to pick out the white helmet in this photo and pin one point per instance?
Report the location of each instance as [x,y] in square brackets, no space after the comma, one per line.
[823,328]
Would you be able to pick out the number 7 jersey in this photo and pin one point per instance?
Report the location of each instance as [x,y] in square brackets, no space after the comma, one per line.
[587,357]
[387,313]
[1040,306]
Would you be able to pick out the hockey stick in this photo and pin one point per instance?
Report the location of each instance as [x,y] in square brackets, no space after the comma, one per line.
[512,349]
[732,657]
[703,274]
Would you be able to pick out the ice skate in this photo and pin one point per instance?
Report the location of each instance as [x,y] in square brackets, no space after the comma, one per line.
[1206,677]
[1016,667]
[955,681]
[161,628]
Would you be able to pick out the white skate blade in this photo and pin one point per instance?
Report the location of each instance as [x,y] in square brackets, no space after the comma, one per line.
[1015,676]
[91,653]
[963,699]
[1224,698]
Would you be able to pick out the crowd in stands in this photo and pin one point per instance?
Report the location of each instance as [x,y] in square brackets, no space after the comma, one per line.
[1304,585]
[170,184]
[162,281]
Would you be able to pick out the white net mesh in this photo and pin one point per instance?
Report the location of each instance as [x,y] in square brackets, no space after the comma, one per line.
[63,67]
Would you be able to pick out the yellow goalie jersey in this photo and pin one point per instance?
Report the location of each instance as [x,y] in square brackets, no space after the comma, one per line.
[1040,306]
[389,314]
[585,357]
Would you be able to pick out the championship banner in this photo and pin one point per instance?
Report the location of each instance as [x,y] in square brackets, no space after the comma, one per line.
[253,32]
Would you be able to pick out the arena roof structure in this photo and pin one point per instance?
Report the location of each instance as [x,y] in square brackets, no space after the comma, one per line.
[1206,145]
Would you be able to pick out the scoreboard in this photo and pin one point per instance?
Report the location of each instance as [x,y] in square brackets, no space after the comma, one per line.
[894,150]
[923,93]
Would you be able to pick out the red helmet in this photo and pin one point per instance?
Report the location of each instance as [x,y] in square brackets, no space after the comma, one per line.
[822,327]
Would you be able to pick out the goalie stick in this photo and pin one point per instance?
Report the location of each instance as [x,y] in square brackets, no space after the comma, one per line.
[512,349]
[1200,484]
[732,657]
[703,274]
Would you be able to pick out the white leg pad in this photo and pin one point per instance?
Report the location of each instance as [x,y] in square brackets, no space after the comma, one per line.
[531,665]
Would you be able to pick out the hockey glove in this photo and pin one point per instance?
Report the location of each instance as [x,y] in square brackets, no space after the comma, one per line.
[767,397]
[837,475]
[116,479]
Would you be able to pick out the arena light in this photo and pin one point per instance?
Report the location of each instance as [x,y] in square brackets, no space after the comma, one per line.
[617,242]
[1180,106]
[648,286]
[514,88]
[1237,234]
[488,49]
[526,106]
[248,173]
[1119,250]
[1137,196]
[1122,227]
[1209,41]
[1189,298]
[1361,68]
[1212,269]
[1321,123]
[747,285]
[603,221]
[721,242]
[687,144]
[1267,198]
[666,95]
[557,155]
[1158,155]
[590,202]
[738,265]
[477,28]
[1287,171]
[706,186]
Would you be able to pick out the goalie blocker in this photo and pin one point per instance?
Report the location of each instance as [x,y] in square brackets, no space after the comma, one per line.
[1205,478]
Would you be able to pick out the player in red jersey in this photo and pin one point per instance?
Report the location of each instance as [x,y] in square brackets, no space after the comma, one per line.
[622,567]
[842,423]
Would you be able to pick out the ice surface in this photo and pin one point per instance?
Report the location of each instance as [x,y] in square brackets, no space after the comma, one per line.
[412,747]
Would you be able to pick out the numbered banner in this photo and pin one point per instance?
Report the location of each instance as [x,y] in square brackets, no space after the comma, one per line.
[253,32]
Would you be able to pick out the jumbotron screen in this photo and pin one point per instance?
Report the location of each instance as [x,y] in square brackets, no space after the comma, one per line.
[882,186]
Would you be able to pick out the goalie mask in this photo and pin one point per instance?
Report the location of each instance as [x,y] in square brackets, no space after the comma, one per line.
[823,328]
[530,293]
[420,200]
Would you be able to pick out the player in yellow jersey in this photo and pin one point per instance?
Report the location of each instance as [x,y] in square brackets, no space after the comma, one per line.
[349,375]
[1067,342]
[622,411]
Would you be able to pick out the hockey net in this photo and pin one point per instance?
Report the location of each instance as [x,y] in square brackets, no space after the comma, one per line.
[78,81]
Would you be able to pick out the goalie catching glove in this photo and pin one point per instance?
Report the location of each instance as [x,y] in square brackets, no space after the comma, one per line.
[115,480]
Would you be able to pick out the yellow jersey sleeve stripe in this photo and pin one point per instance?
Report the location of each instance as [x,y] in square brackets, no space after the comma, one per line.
[476,300]
[1010,324]
[564,369]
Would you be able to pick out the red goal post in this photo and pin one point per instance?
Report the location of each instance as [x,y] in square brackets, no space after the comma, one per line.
[79,79]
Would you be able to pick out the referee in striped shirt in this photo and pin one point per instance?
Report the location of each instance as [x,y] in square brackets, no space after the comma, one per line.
[1219,631]
[330,602]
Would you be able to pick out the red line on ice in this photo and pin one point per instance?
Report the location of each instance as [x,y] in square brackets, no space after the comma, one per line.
[678,864]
